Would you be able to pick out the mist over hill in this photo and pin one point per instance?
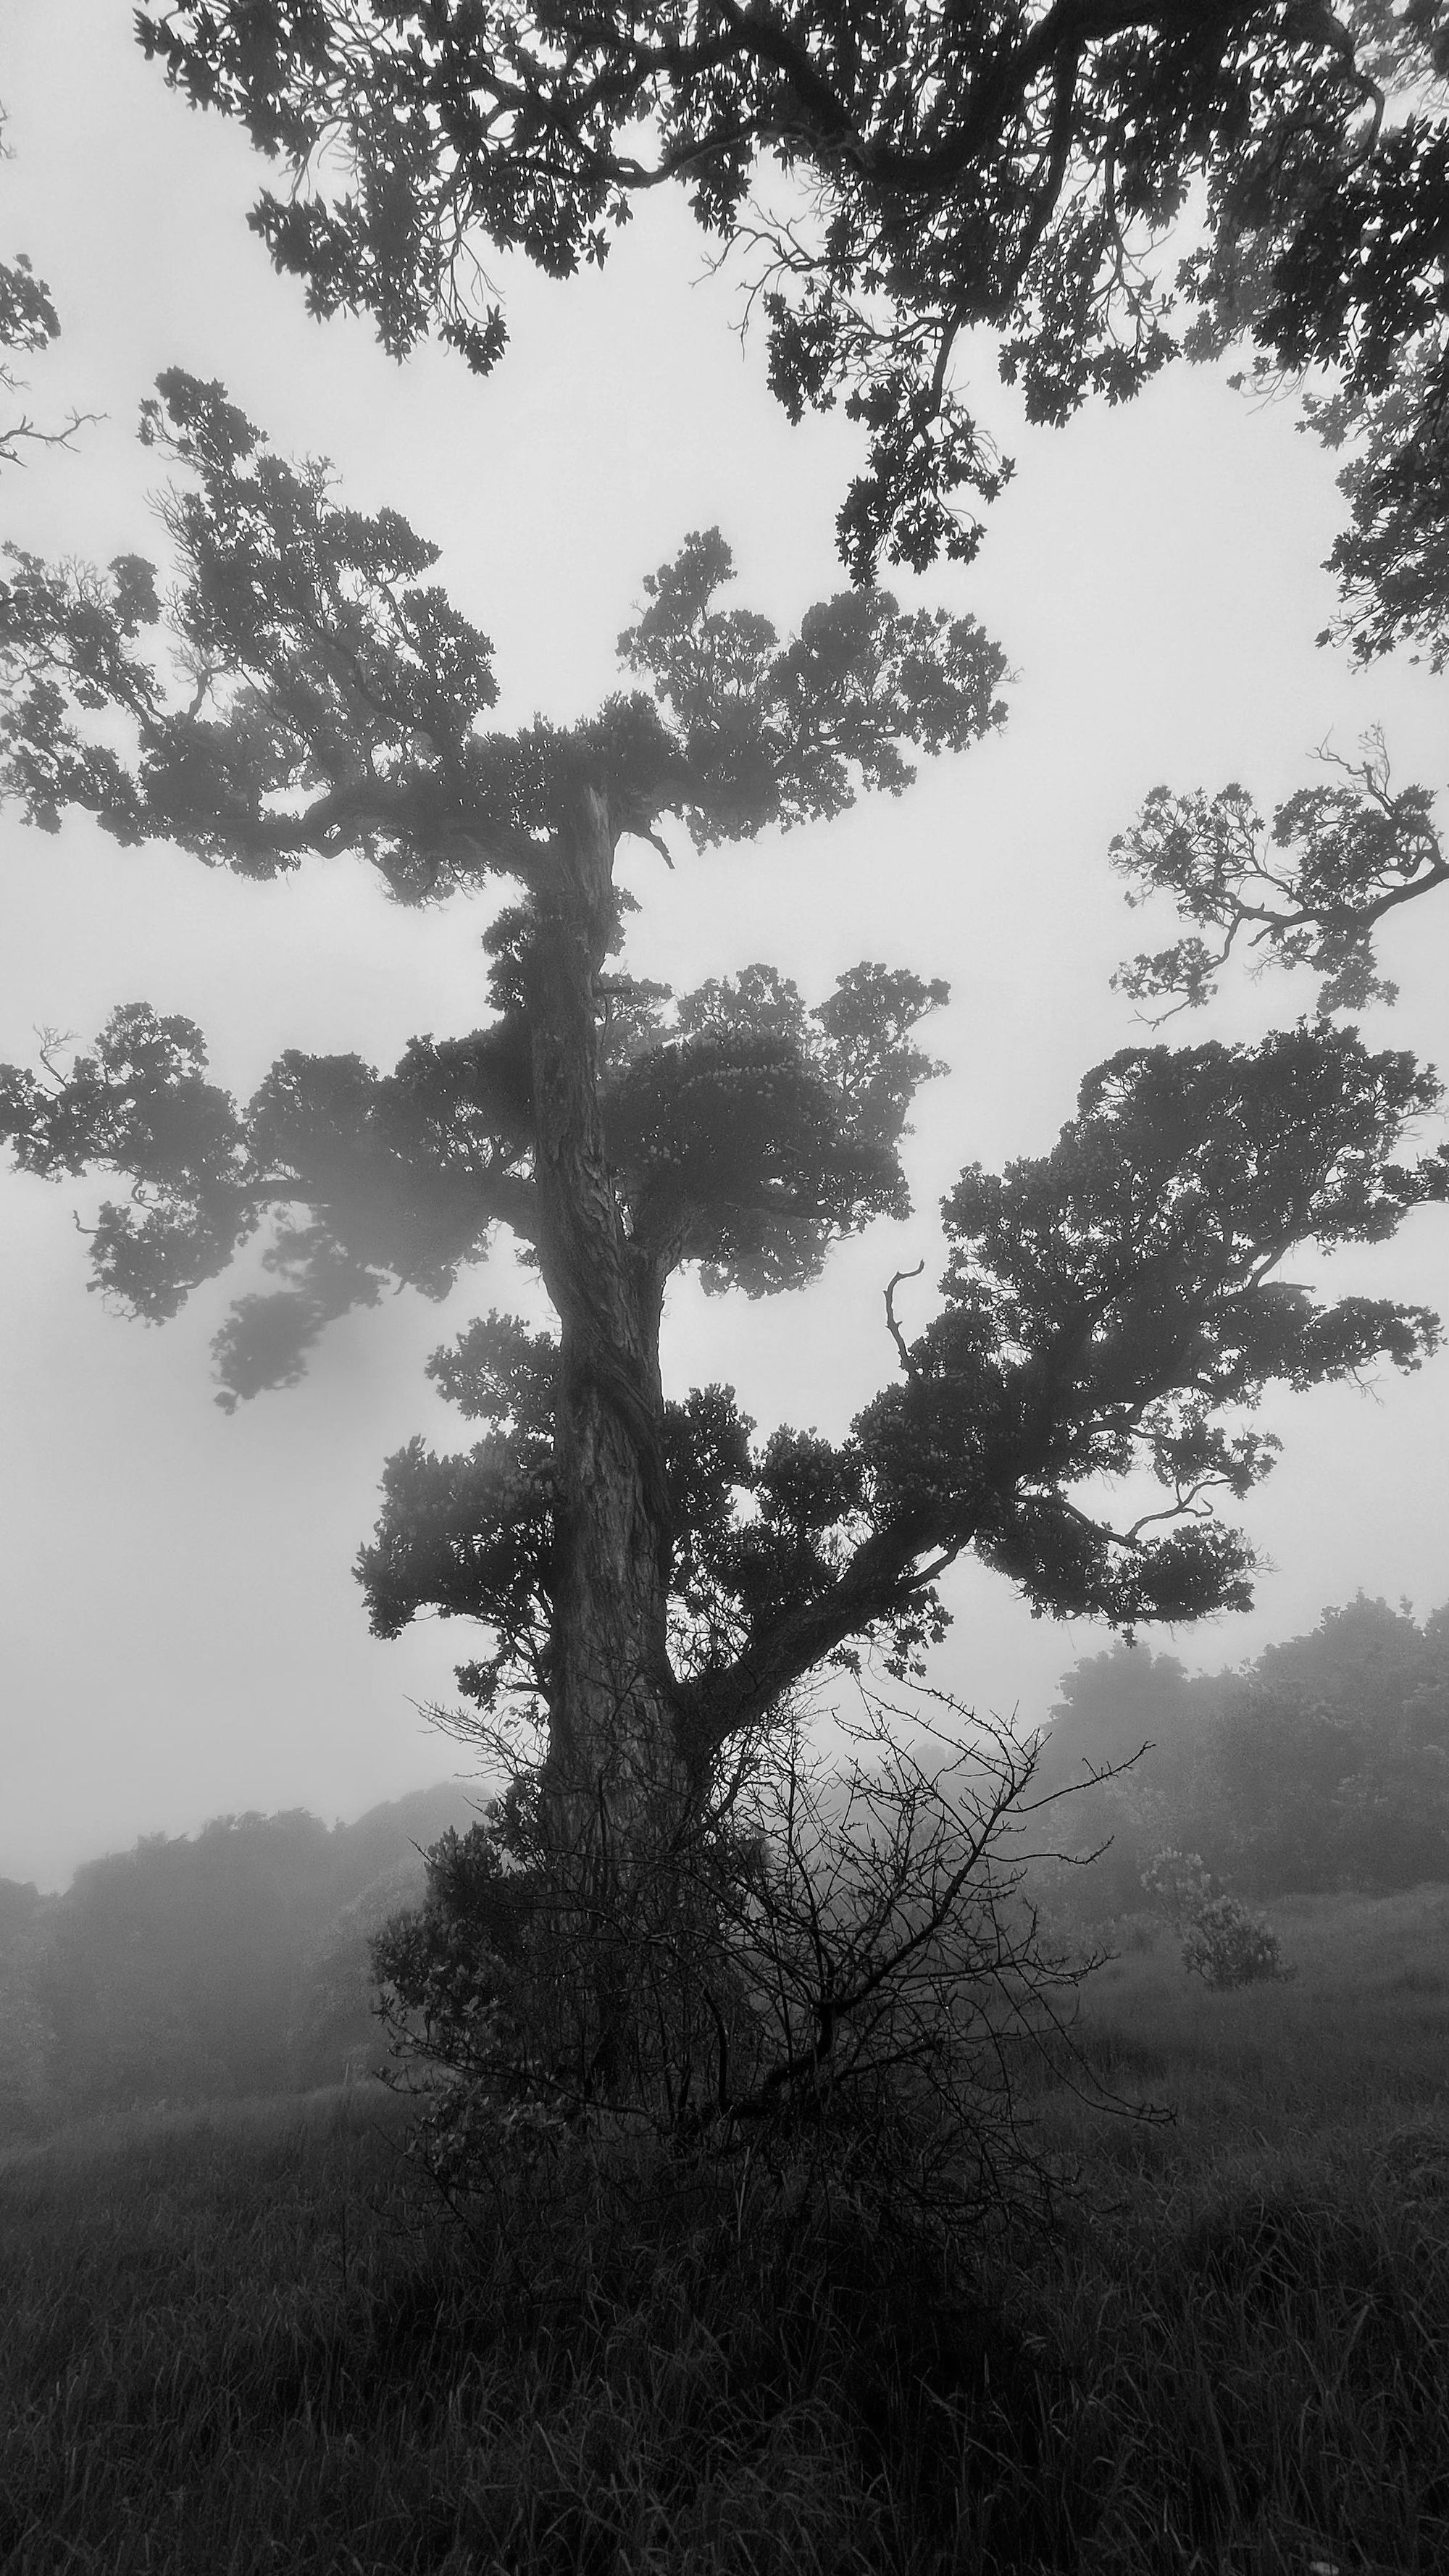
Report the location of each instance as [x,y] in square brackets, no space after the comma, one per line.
[1322,1766]
[228,1963]
[237,1961]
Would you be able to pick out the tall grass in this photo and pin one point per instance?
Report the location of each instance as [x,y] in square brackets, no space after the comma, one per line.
[246,2342]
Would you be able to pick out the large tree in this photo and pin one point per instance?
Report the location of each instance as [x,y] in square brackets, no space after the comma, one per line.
[641,1567]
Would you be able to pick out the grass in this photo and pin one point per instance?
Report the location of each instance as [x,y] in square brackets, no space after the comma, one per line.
[242,2341]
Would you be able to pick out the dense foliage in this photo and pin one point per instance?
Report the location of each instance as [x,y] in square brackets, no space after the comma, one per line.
[1096,185]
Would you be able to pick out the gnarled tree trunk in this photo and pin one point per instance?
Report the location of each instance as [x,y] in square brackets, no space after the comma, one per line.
[613,1776]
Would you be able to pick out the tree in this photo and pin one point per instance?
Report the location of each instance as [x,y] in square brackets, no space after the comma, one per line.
[1320,1765]
[1034,170]
[644,1570]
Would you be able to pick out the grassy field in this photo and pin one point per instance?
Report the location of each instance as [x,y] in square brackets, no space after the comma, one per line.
[242,2341]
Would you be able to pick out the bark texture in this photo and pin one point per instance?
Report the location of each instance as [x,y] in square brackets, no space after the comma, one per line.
[611,1689]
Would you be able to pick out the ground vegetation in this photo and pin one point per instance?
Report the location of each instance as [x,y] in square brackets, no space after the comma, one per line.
[233,2338]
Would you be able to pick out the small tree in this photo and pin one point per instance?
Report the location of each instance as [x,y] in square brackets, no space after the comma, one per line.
[1226,1945]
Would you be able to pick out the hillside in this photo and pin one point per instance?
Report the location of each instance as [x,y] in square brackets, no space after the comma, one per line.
[229,1963]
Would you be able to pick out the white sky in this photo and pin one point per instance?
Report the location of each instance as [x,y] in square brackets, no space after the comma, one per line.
[180,1632]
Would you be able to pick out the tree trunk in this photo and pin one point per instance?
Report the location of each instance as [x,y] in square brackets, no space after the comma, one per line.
[613,1773]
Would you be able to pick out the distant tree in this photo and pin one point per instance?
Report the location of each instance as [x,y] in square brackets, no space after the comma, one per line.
[1323,1764]
[1371,1672]
[332,2021]
[230,1961]
[1364,1658]
[1099,184]
[169,1970]
[644,1572]
[1133,1712]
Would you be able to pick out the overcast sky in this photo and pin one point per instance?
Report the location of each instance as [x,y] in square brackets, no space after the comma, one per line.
[180,1631]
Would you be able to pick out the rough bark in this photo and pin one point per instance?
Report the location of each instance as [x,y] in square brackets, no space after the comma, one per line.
[611,1690]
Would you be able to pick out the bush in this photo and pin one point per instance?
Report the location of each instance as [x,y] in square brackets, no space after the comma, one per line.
[1223,1942]
[835,1981]
[1226,1945]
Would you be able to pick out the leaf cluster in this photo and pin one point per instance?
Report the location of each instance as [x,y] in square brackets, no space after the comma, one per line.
[1308,890]
[746,1135]
[336,698]
[28,324]
[1114,1306]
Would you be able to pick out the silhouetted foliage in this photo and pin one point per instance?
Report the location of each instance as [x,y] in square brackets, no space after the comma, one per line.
[1019,168]
[1338,860]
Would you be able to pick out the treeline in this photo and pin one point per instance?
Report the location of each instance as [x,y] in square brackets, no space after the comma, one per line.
[229,1963]
[238,1962]
[1322,1766]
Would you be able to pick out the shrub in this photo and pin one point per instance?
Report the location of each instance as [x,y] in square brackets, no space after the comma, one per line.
[1223,1942]
[1227,1945]
[835,1981]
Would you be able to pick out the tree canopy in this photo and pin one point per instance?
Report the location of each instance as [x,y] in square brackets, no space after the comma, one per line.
[1076,193]
[1099,184]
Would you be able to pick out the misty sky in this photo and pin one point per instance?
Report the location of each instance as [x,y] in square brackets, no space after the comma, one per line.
[180,1632]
